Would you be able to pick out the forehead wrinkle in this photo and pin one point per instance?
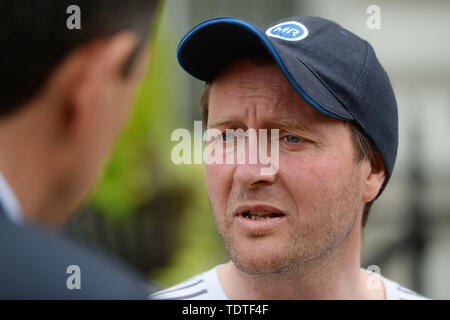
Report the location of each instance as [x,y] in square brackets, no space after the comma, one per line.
[256,91]
[260,92]
[277,95]
[252,103]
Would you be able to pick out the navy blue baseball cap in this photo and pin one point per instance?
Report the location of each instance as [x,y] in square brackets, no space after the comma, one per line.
[334,70]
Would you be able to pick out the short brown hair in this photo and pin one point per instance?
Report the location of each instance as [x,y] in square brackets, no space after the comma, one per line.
[363,145]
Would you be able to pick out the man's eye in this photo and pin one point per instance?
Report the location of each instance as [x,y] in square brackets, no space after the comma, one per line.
[291,139]
[228,135]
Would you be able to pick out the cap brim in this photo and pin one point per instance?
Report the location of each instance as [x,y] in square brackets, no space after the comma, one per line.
[207,47]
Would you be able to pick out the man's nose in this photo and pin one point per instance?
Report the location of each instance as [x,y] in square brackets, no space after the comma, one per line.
[251,176]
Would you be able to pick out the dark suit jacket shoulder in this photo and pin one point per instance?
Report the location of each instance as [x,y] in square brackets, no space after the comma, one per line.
[36,265]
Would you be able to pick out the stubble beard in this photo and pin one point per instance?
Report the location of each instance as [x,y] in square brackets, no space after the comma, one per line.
[307,240]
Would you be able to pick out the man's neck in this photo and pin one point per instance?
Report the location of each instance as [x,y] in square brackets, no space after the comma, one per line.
[22,182]
[338,276]
[22,161]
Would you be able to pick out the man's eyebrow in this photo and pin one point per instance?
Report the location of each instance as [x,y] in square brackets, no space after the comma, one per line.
[274,123]
[221,122]
[289,124]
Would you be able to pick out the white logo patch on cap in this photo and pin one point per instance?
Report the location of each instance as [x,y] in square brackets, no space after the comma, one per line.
[289,30]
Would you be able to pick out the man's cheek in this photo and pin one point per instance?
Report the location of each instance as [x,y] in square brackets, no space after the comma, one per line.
[217,179]
[306,179]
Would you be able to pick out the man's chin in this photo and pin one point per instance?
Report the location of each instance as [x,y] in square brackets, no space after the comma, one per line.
[260,262]
[260,255]
[261,267]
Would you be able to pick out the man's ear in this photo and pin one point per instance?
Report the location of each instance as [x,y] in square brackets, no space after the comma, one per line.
[373,178]
[100,69]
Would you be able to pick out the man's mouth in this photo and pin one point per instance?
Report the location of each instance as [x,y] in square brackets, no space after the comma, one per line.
[260,215]
[258,219]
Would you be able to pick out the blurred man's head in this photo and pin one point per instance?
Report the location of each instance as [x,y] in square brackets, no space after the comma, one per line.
[65,95]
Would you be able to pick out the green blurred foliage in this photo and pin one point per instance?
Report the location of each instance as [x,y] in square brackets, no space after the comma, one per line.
[200,247]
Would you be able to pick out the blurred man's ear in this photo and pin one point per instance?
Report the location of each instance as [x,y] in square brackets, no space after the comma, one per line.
[100,69]
[374,178]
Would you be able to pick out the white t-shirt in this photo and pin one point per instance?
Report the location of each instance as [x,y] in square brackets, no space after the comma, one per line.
[206,286]
[8,200]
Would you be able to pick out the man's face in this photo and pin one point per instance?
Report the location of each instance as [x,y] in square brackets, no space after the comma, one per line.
[314,200]
[105,120]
